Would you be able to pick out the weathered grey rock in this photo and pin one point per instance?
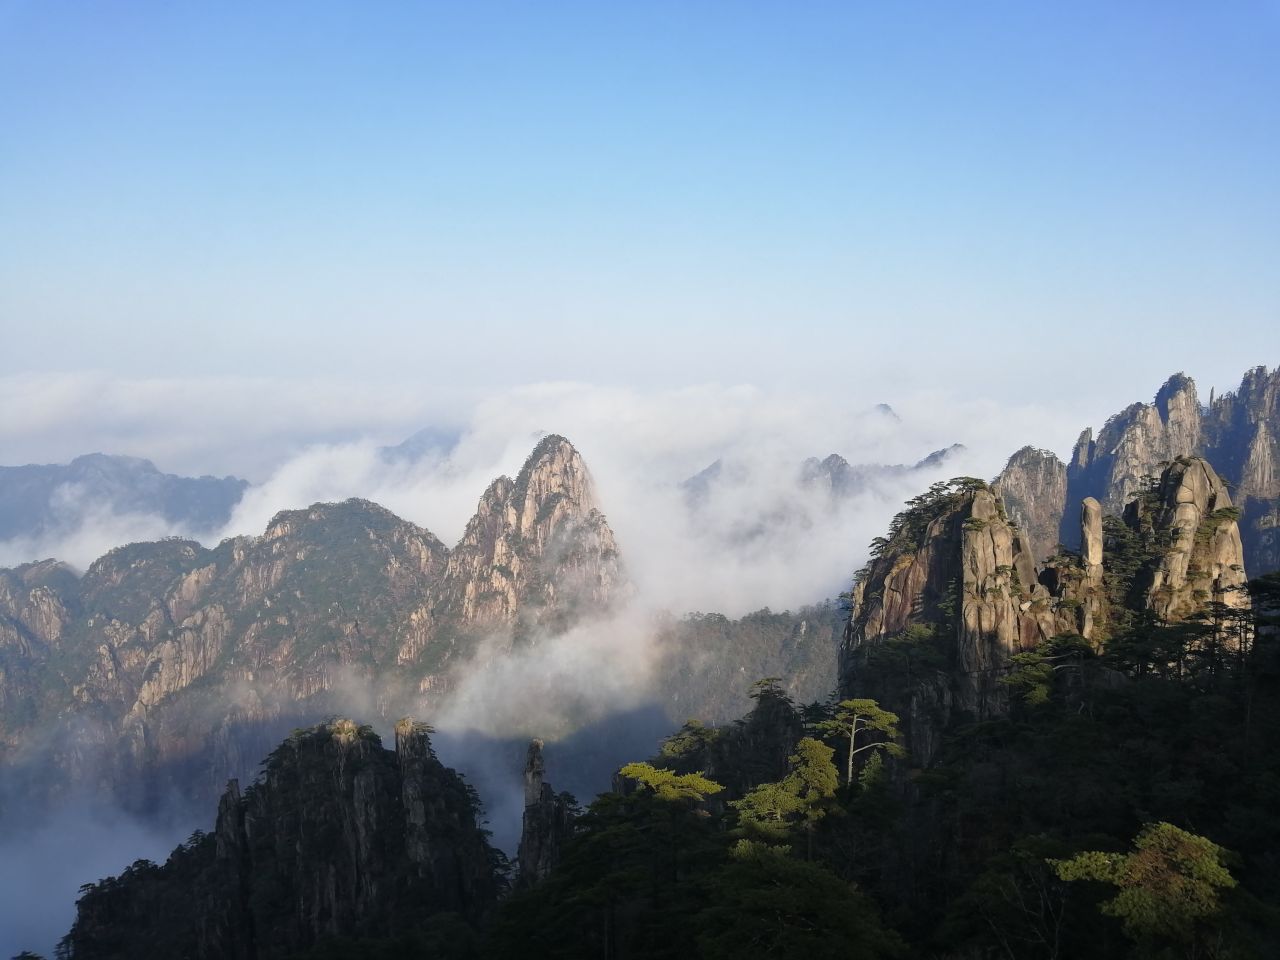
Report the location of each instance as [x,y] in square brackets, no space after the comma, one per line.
[965,577]
[536,554]
[1090,592]
[970,575]
[1091,538]
[1130,447]
[1204,562]
[548,823]
[1239,434]
[1033,488]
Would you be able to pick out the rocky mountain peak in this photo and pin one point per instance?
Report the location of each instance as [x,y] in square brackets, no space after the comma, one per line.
[552,486]
[537,548]
[1033,487]
[1204,560]
[1176,397]
[1239,433]
[1129,448]
[178,651]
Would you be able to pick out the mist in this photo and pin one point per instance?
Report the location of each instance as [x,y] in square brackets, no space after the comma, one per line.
[640,448]
[43,863]
[84,529]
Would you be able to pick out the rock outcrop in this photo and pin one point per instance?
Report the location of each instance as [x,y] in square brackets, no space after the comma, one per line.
[957,571]
[1033,487]
[339,837]
[952,593]
[1238,433]
[537,551]
[1203,562]
[1242,440]
[548,823]
[1131,445]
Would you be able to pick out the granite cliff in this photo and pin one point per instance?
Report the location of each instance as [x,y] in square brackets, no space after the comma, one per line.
[1198,557]
[1033,487]
[952,594]
[537,550]
[1237,432]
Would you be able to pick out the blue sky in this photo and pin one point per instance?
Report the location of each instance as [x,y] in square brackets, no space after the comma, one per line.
[481,194]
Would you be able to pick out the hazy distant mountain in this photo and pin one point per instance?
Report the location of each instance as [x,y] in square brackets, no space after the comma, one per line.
[738,503]
[428,441]
[846,479]
[42,499]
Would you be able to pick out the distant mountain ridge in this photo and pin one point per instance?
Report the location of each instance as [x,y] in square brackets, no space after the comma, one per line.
[738,504]
[39,499]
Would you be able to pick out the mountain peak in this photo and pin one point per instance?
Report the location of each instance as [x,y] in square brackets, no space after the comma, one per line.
[554,482]
[1179,389]
[537,547]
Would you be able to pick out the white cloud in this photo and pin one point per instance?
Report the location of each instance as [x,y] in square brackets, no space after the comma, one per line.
[638,444]
[82,529]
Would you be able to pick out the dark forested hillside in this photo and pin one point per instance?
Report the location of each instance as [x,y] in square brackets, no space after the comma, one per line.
[338,837]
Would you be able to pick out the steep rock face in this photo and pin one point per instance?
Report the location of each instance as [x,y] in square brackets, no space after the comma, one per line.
[1033,487]
[1092,589]
[548,823]
[1204,560]
[1242,440]
[339,838]
[536,553]
[1131,445]
[952,595]
[1003,609]
[1239,434]
[1241,430]
[37,603]
[956,570]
